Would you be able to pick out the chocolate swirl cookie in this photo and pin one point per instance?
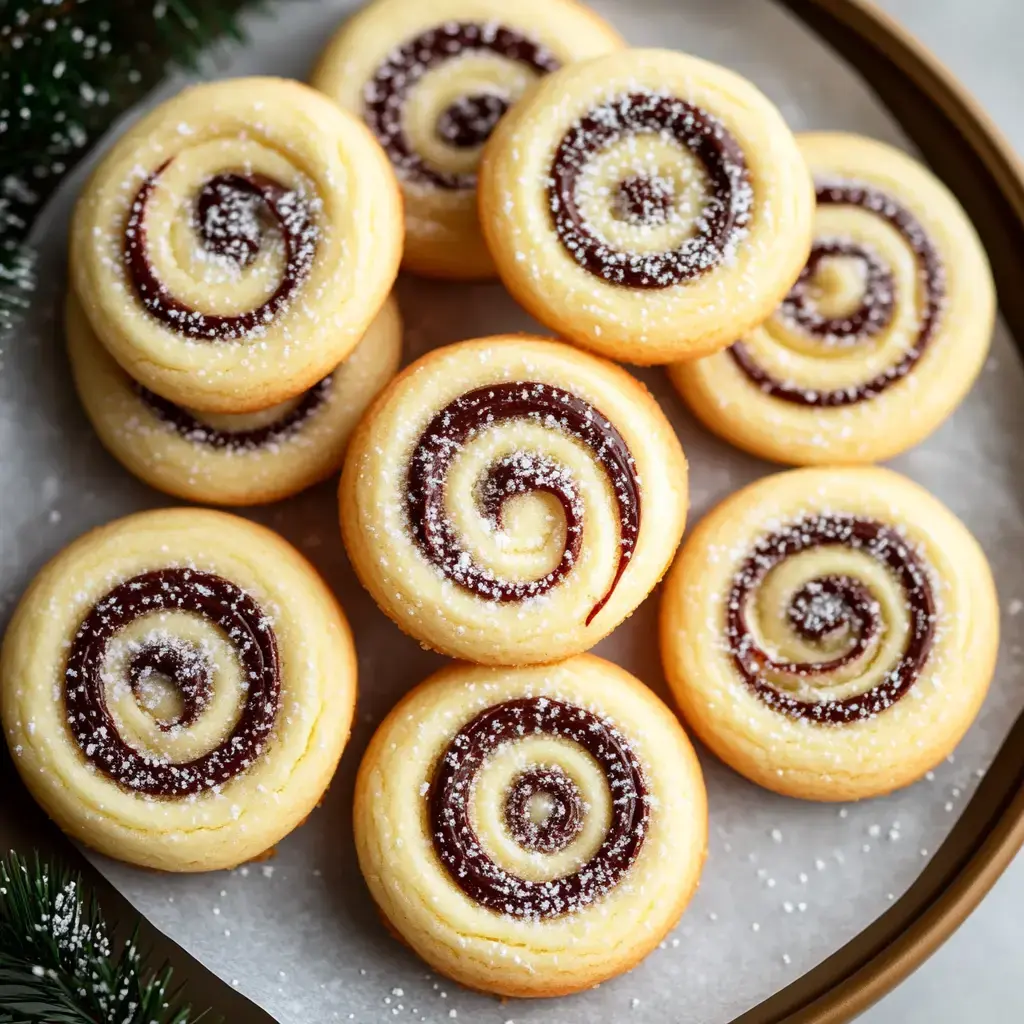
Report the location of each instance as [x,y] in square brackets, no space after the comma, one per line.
[646,205]
[553,807]
[856,632]
[162,674]
[883,332]
[432,81]
[510,500]
[236,243]
[242,459]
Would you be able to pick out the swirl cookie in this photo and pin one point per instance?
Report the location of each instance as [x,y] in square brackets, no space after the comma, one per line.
[241,459]
[511,500]
[830,633]
[176,689]
[883,333]
[235,244]
[531,831]
[647,205]
[431,80]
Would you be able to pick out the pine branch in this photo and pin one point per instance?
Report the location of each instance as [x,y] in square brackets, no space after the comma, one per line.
[68,68]
[58,964]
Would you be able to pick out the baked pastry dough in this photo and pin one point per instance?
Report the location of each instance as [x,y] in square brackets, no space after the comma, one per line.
[647,205]
[511,500]
[531,831]
[881,337]
[431,80]
[830,633]
[242,459]
[176,689]
[235,244]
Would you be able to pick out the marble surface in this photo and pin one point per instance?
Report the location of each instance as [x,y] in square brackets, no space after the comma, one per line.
[975,976]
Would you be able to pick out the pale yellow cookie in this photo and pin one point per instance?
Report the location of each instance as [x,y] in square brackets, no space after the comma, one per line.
[881,337]
[648,205]
[830,633]
[511,500]
[242,459]
[176,689]
[531,831]
[235,244]
[431,79]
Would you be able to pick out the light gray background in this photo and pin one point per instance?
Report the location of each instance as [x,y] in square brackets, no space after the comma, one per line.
[975,977]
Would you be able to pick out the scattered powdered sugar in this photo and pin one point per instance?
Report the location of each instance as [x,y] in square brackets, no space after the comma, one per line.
[229,226]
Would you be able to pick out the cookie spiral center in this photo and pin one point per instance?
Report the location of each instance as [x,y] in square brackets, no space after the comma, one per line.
[828,606]
[180,665]
[544,810]
[643,199]
[231,212]
[869,317]
[228,212]
[469,121]
[462,854]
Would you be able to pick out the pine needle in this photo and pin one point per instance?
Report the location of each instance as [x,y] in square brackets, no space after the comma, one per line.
[70,67]
[58,962]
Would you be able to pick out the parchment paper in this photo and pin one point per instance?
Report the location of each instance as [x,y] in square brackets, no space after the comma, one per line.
[786,883]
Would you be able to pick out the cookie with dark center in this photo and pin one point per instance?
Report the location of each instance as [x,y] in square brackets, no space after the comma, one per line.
[509,499]
[432,85]
[882,333]
[830,633]
[167,671]
[231,286]
[543,810]
[647,205]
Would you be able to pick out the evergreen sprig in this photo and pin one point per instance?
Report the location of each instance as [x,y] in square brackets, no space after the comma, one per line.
[68,68]
[58,961]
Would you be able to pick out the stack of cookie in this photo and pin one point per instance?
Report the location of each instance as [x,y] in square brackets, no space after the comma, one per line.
[231,264]
[532,819]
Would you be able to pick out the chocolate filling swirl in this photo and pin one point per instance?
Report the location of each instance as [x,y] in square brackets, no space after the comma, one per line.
[832,606]
[250,439]
[245,624]
[649,200]
[231,209]
[474,412]
[466,123]
[458,847]
[873,314]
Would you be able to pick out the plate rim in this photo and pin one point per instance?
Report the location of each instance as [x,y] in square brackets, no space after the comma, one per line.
[932,106]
